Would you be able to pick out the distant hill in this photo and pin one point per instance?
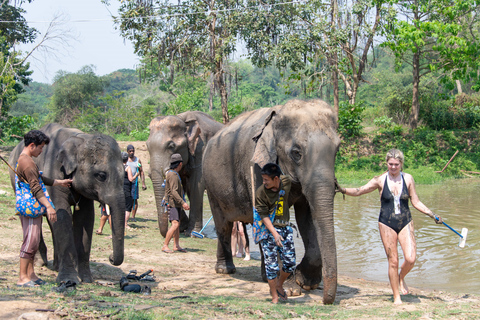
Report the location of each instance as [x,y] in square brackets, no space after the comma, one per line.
[34,101]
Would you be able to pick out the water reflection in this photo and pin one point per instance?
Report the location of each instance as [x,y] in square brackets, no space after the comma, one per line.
[440,264]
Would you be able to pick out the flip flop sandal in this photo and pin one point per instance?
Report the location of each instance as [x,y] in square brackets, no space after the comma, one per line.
[29,284]
[167,250]
[98,232]
[181,250]
[40,282]
[282,296]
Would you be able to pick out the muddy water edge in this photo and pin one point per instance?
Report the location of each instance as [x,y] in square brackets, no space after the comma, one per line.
[440,265]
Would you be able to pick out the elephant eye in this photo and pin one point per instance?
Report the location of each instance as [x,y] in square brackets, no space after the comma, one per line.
[100,176]
[296,154]
[171,145]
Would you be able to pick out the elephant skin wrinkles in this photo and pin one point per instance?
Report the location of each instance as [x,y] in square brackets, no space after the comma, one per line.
[301,138]
[94,164]
[187,134]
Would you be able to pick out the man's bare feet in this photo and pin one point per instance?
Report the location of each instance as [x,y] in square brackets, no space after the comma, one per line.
[403,287]
[274,297]
[397,301]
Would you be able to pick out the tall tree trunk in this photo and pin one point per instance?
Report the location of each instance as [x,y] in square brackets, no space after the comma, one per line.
[459,86]
[413,119]
[212,91]
[335,85]
[223,91]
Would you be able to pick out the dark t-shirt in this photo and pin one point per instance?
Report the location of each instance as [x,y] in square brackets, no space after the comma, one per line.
[266,199]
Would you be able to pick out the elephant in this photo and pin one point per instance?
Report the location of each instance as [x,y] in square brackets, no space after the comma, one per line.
[94,164]
[187,134]
[299,136]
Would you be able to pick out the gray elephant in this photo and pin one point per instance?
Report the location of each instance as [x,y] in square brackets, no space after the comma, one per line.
[94,164]
[187,134]
[301,138]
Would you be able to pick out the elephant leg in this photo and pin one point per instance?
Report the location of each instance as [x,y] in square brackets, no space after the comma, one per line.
[262,266]
[308,273]
[224,249]
[197,189]
[65,253]
[183,221]
[83,222]
[42,251]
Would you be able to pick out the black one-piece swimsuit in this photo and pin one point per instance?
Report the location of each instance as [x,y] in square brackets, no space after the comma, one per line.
[387,211]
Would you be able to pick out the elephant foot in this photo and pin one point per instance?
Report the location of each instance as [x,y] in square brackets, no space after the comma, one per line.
[86,277]
[291,287]
[40,263]
[67,276]
[225,268]
[304,282]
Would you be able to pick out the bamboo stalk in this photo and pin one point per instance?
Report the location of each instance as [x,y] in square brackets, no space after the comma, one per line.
[448,162]
[474,172]
[466,174]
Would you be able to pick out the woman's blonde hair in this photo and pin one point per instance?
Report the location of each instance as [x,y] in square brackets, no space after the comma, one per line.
[395,154]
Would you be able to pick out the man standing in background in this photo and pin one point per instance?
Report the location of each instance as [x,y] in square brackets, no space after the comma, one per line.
[136,165]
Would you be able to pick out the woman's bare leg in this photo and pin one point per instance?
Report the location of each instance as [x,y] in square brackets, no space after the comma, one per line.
[406,237]
[233,239]
[389,239]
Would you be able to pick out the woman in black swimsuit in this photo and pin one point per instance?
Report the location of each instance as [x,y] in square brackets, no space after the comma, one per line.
[395,221]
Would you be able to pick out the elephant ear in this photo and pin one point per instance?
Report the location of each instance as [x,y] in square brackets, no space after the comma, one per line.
[193,133]
[67,155]
[265,151]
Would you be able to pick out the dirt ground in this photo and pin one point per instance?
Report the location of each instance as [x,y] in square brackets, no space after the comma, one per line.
[192,274]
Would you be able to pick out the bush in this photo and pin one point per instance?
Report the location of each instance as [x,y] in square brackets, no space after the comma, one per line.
[350,119]
[384,122]
[15,126]
[139,135]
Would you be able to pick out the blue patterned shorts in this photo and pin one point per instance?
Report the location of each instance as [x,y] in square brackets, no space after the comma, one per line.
[287,252]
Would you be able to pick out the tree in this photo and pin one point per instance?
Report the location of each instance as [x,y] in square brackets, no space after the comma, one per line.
[427,35]
[13,69]
[73,93]
[315,39]
[194,36]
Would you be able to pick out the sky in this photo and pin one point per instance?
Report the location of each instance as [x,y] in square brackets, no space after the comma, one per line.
[97,42]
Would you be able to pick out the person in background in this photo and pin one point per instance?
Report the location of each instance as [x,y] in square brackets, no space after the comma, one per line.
[105,215]
[239,239]
[128,180]
[175,200]
[395,221]
[272,197]
[28,172]
[136,166]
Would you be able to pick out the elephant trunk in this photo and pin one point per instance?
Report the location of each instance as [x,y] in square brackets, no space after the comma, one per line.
[159,191]
[117,211]
[321,205]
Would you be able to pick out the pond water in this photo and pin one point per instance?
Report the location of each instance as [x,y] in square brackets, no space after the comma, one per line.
[440,264]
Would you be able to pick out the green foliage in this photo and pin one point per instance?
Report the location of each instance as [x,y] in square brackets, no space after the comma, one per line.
[447,116]
[139,135]
[350,119]
[74,93]
[13,127]
[13,70]
[384,122]
[33,101]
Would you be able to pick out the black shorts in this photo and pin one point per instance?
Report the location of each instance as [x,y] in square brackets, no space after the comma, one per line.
[174,214]
[128,203]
